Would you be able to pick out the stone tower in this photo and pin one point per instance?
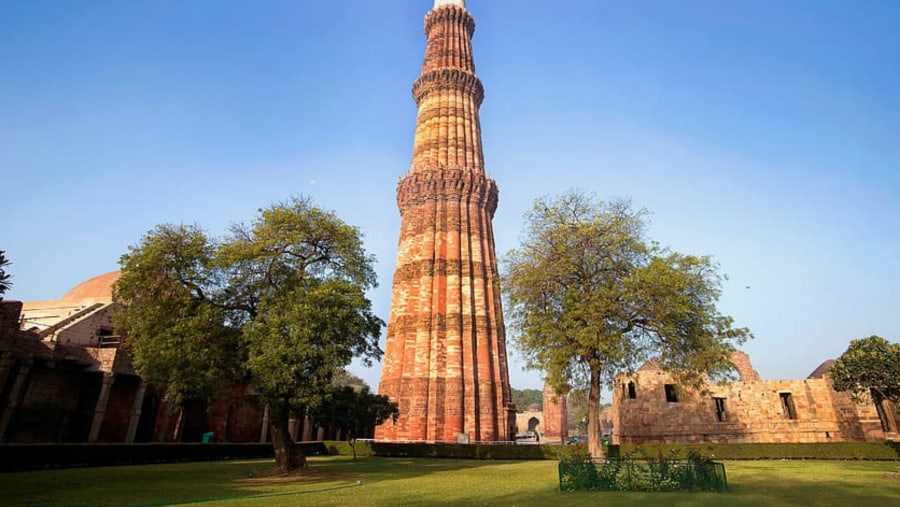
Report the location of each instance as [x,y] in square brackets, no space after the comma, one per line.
[445,360]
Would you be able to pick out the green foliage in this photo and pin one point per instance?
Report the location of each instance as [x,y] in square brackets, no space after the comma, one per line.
[280,302]
[179,334]
[869,367]
[882,451]
[660,473]
[301,340]
[573,454]
[5,278]
[523,398]
[464,451]
[354,412]
[589,297]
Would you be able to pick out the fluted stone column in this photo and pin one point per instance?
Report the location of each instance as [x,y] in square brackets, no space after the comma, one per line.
[136,410]
[445,359]
[100,408]
[15,397]
[264,431]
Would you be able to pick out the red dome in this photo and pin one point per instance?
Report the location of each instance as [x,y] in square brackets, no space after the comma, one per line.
[99,287]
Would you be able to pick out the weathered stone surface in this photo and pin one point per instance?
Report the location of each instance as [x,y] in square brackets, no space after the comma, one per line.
[445,361]
[751,410]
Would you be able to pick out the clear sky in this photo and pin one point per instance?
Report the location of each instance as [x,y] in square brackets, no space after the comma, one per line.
[763,133]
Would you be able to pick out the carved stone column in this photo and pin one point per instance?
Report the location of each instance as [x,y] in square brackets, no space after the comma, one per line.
[136,410]
[15,397]
[264,431]
[100,407]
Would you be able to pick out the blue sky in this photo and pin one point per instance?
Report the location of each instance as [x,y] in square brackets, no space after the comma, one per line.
[763,133]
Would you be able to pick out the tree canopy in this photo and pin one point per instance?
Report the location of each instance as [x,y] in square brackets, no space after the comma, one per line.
[353,411]
[870,367]
[589,296]
[523,398]
[5,278]
[278,303]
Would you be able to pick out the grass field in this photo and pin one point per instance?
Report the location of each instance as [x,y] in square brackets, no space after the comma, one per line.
[390,482]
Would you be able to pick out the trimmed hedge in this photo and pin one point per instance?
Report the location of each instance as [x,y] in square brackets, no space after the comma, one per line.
[453,451]
[20,457]
[875,451]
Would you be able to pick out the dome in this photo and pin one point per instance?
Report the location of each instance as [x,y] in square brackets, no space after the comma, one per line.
[823,369]
[97,288]
[534,407]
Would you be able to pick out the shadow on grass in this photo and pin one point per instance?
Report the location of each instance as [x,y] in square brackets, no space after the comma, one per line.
[414,481]
[196,483]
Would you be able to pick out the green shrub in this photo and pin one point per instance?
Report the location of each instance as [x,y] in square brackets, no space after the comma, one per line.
[630,473]
[882,451]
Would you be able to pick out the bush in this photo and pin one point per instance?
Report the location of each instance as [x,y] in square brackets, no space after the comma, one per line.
[461,451]
[663,473]
[19,457]
[876,451]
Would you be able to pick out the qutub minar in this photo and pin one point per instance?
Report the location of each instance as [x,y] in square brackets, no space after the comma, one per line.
[445,361]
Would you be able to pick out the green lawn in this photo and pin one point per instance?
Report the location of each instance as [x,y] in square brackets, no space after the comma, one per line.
[390,482]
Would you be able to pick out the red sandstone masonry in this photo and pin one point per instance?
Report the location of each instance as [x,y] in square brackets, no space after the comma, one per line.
[445,359]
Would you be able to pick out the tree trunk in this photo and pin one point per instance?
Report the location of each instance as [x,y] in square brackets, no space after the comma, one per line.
[595,433]
[288,457]
[352,441]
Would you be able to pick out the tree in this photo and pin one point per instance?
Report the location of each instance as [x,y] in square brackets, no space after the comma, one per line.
[869,367]
[577,410]
[279,304]
[5,283]
[354,412]
[524,398]
[590,297]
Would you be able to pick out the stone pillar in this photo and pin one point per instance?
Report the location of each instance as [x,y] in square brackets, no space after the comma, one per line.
[307,430]
[292,428]
[264,431]
[555,420]
[15,397]
[161,426]
[100,408]
[136,412]
[6,363]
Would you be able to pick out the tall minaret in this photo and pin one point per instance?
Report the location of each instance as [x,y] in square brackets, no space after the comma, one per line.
[445,360]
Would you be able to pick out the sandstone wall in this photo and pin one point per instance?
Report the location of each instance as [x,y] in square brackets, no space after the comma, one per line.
[755,411]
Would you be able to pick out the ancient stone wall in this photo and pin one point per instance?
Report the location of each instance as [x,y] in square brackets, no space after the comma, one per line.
[86,331]
[649,408]
[43,412]
[119,409]
[555,419]
[10,311]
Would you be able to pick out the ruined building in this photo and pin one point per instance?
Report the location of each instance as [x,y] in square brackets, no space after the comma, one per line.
[648,407]
[64,377]
[445,361]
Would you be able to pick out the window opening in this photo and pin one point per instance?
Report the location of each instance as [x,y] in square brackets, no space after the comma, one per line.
[721,415]
[632,392]
[671,393]
[787,405]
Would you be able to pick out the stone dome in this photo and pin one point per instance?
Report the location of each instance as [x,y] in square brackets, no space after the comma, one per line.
[534,407]
[823,369]
[98,288]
